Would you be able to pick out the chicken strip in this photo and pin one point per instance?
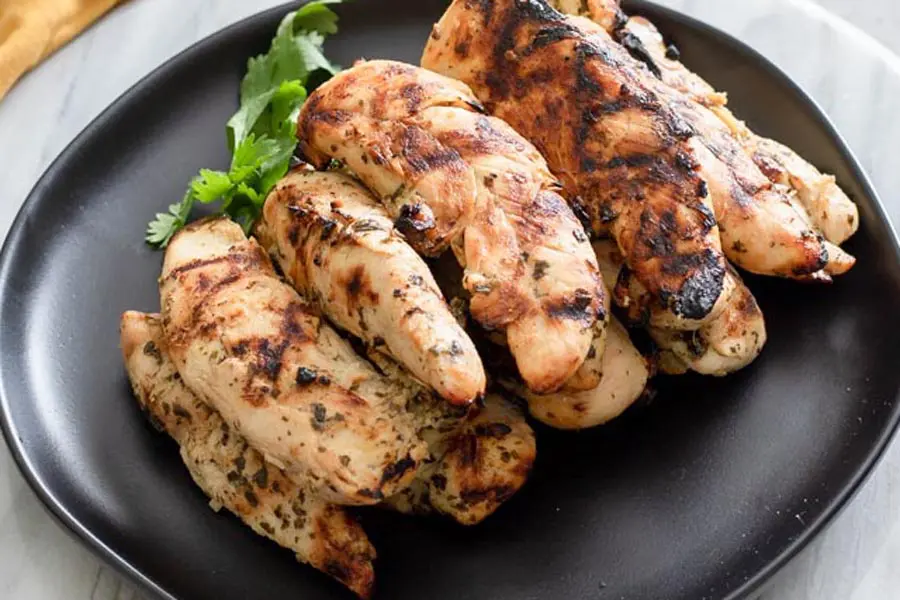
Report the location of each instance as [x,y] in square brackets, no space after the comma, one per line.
[624,376]
[829,208]
[453,177]
[338,247]
[621,155]
[477,469]
[645,161]
[234,475]
[822,203]
[725,344]
[247,344]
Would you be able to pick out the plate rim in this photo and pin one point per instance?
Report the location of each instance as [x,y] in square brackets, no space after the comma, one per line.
[78,530]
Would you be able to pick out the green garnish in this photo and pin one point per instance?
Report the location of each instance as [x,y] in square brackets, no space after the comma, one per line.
[261,134]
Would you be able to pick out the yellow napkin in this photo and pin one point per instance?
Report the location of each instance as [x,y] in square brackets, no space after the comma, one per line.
[30,30]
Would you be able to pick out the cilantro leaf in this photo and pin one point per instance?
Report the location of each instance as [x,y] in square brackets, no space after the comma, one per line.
[261,134]
[210,186]
[316,16]
[161,229]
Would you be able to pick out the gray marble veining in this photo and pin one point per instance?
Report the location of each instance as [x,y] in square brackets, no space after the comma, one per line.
[852,76]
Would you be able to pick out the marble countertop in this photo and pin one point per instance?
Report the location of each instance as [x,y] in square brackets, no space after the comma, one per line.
[840,66]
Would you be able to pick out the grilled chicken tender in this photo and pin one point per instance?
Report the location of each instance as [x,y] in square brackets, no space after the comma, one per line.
[475,470]
[828,207]
[338,247]
[247,344]
[820,204]
[646,161]
[727,343]
[234,475]
[453,177]
[624,377]
[622,156]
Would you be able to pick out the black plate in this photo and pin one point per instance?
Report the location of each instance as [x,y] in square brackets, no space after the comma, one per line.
[704,493]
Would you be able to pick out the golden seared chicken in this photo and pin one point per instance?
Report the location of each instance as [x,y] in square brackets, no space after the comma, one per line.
[475,470]
[234,475]
[645,161]
[622,156]
[830,211]
[453,177]
[624,375]
[722,345]
[338,247]
[247,344]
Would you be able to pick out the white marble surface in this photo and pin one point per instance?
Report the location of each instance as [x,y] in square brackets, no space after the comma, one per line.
[855,78]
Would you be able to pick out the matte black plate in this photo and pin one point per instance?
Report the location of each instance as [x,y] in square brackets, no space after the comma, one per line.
[705,492]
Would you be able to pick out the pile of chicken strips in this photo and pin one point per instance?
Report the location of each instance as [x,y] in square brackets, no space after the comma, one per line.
[574,169]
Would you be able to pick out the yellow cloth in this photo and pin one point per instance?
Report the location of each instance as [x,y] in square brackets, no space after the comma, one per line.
[30,30]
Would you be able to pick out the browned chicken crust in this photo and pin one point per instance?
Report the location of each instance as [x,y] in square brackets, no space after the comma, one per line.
[453,177]
[726,343]
[338,247]
[246,343]
[475,470]
[234,475]
[819,202]
[621,153]
[650,165]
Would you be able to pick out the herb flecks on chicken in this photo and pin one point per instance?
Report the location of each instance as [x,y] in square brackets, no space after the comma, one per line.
[453,177]
[234,475]
[339,248]
[250,346]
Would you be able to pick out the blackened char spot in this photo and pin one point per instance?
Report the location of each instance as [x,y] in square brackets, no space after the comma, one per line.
[672,52]
[575,307]
[152,350]
[550,35]
[373,494]
[359,288]
[396,470]
[538,10]
[636,48]
[305,376]
[268,357]
[439,482]
[413,221]
[701,290]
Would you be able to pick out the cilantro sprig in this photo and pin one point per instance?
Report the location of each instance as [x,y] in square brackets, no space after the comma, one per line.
[261,134]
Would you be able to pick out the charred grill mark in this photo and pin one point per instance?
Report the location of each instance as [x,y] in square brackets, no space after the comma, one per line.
[414,95]
[422,154]
[396,470]
[636,48]
[292,323]
[152,350]
[414,222]
[359,289]
[268,358]
[701,289]
[576,307]
[550,35]
[540,269]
